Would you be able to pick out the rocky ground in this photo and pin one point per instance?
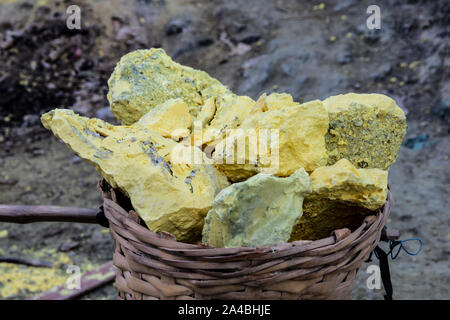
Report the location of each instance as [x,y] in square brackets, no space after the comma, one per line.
[309,49]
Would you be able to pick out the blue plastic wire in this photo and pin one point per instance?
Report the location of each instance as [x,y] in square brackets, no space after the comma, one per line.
[394,243]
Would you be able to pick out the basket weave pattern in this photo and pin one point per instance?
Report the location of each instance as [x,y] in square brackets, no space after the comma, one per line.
[153,266]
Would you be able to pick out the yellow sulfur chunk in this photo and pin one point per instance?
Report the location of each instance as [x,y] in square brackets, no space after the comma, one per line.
[171,119]
[207,112]
[342,181]
[231,111]
[168,195]
[274,101]
[341,196]
[366,129]
[258,212]
[298,141]
[144,79]
[234,110]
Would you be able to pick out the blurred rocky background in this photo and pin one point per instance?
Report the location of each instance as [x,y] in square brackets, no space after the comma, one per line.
[310,49]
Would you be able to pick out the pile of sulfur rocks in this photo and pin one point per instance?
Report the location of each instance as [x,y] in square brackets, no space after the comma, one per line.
[173,155]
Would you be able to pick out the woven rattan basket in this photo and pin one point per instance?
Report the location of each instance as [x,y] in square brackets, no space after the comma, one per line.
[153,266]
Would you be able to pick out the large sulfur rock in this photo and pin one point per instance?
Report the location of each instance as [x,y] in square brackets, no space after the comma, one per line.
[168,196]
[274,101]
[341,196]
[171,119]
[258,212]
[294,139]
[231,111]
[217,116]
[342,181]
[144,79]
[366,129]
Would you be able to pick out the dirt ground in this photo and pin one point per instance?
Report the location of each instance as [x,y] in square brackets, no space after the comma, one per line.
[310,49]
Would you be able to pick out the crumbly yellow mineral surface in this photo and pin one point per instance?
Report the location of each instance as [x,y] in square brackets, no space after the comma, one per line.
[343,181]
[169,196]
[341,196]
[144,79]
[231,111]
[257,212]
[21,281]
[366,129]
[287,135]
[171,119]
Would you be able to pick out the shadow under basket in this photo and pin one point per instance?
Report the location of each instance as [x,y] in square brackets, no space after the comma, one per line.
[152,266]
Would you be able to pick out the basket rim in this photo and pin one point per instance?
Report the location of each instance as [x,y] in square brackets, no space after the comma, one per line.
[340,238]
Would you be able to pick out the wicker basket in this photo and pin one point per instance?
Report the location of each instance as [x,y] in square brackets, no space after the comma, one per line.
[152,266]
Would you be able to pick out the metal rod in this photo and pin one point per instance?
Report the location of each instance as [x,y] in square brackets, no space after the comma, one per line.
[28,262]
[29,214]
